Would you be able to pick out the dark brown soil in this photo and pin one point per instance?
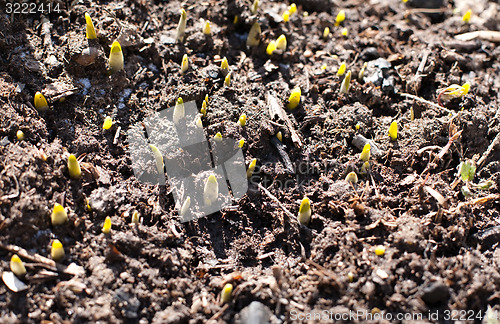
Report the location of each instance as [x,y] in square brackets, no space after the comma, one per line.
[440,258]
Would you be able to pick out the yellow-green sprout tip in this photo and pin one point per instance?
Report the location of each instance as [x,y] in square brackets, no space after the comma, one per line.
[40,102]
[106,228]
[90,30]
[294,99]
[226,293]
[59,215]
[17,266]
[57,250]
[393,131]
[305,212]
[116,57]
[108,122]
[74,167]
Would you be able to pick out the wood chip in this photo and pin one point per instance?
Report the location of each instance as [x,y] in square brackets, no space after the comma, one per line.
[12,282]
[489,35]
[276,110]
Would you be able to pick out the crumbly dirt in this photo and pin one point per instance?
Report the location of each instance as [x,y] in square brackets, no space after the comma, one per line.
[441,257]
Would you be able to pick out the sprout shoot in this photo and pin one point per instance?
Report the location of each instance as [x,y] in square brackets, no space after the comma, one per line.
[286,16]
[344,32]
[185,206]
[466,17]
[467,170]
[218,137]
[365,167]
[227,291]
[279,136]
[294,99]
[116,57]
[344,86]
[342,69]
[20,135]
[57,250]
[211,191]
[352,177]
[227,80]
[224,65]
[241,143]
[40,102]
[326,32]
[108,122]
[198,121]
[206,28]
[393,130]
[305,211]
[380,250]
[255,7]
[271,47]
[17,266]
[135,217]
[106,228]
[251,168]
[254,35]
[365,154]
[243,120]
[184,64]
[74,167]
[158,158]
[178,111]
[181,27]
[59,215]
[361,75]
[281,43]
[90,34]
[292,8]
[340,17]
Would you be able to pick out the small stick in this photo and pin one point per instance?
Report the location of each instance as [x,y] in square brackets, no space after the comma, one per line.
[488,151]
[270,195]
[427,102]
[117,134]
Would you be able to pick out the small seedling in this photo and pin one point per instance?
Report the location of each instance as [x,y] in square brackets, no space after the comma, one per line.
[254,35]
[241,143]
[158,158]
[90,32]
[184,64]
[116,57]
[135,217]
[17,266]
[226,293]
[340,18]
[365,168]
[218,137]
[198,121]
[178,113]
[203,109]
[466,16]
[108,122]
[211,190]
[281,44]
[206,28]
[185,206]
[352,177]
[292,8]
[40,102]
[393,131]
[294,99]
[227,80]
[453,91]
[279,136]
[57,250]
[74,167]
[341,69]
[106,228]
[271,47]
[224,65]
[286,16]
[361,75]
[467,171]
[255,7]
[326,32]
[344,86]
[305,212]
[365,154]
[251,168]
[242,120]
[59,215]
[380,250]
[181,27]
[344,32]
[20,135]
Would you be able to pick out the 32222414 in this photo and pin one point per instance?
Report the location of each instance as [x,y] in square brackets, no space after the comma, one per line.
[31,8]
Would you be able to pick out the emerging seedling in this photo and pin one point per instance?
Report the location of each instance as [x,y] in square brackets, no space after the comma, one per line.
[342,69]
[224,65]
[380,250]
[344,86]
[40,102]
[227,80]
[271,47]
[292,8]
[59,215]
[453,91]
[181,27]
[198,121]
[467,170]
[243,120]
[106,228]
[57,250]
[340,18]
[279,136]
[158,158]
[281,44]
[305,212]
[17,266]
[251,168]
[241,143]
[326,32]
[206,28]
[90,33]
[286,16]
[255,7]
[74,167]
[116,57]
[218,137]
[352,177]
[361,75]
[294,99]
[393,131]
[185,64]
[365,154]
[211,191]
[226,293]
[108,122]
[466,16]
[20,135]
[178,111]
[344,32]
[254,35]
[135,217]
[365,168]
[185,206]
